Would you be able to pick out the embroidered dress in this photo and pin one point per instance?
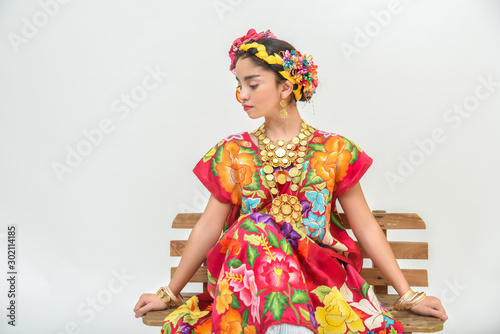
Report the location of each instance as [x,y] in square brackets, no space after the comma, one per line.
[262,272]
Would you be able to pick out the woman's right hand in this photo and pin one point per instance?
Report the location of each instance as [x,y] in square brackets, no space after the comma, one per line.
[149,302]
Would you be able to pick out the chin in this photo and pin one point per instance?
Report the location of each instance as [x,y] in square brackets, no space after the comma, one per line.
[252,115]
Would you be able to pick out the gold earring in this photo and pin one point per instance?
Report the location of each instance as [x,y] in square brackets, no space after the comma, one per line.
[283,112]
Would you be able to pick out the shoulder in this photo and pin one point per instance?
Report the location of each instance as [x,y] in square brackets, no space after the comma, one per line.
[332,141]
[233,143]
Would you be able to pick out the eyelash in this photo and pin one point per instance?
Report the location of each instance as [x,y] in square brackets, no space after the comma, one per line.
[251,86]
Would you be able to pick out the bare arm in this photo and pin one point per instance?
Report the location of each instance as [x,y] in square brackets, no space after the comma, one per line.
[204,236]
[370,235]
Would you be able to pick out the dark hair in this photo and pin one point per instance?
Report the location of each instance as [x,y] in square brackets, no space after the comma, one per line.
[273,46]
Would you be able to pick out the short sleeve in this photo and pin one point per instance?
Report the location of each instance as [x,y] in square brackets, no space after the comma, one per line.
[208,171]
[352,163]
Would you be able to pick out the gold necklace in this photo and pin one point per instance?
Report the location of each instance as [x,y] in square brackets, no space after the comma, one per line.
[281,155]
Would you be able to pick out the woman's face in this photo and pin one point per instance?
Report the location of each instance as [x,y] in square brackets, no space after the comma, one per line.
[259,95]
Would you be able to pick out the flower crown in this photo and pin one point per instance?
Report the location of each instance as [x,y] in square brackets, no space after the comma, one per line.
[298,68]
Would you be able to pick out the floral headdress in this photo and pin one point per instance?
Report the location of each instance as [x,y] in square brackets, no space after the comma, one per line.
[250,37]
[298,68]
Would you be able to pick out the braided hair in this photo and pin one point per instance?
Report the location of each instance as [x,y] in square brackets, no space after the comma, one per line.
[273,46]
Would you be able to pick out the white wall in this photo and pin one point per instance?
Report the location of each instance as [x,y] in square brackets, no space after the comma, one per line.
[112,212]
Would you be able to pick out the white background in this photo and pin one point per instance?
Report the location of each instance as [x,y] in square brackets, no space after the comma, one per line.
[113,211]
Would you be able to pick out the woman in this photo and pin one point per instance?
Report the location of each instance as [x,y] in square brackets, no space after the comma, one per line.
[284,263]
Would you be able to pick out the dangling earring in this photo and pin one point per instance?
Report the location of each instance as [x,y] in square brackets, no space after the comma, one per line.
[283,112]
[238,90]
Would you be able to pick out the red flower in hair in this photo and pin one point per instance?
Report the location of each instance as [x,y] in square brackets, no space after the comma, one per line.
[250,37]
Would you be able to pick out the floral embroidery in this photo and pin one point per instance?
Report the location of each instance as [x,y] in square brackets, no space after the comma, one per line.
[315,226]
[263,272]
[249,204]
[336,315]
[235,170]
[318,200]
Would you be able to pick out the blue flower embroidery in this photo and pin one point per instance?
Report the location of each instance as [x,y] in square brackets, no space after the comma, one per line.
[249,204]
[316,224]
[389,321]
[318,200]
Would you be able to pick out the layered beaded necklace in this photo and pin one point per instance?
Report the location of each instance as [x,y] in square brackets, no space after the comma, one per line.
[281,155]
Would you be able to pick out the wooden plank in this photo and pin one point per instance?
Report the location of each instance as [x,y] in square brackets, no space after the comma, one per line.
[387,221]
[200,276]
[393,221]
[415,277]
[186,220]
[177,247]
[404,250]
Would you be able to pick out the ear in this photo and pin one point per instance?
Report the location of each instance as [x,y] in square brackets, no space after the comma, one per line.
[286,90]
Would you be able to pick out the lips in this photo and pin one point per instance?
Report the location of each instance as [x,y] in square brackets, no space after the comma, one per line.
[247,107]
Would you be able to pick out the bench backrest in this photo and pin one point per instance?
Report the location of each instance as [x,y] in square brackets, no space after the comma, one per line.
[387,221]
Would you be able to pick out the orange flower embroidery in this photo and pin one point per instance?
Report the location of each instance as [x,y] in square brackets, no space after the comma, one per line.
[227,242]
[231,323]
[225,298]
[204,328]
[331,165]
[235,170]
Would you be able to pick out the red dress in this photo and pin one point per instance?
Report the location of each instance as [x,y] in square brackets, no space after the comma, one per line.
[263,272]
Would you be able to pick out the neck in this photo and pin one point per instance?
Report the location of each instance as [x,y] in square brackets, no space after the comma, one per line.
[284,128]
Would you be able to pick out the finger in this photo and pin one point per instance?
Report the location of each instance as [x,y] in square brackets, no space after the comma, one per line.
[143,310]
[429,310]
[139,304]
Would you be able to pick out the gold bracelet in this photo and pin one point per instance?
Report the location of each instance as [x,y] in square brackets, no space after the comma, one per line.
[165,297]
[168,297]
[179,300]
[401,303]
[411,298]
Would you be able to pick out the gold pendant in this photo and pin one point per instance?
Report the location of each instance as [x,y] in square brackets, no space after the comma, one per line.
[286,208]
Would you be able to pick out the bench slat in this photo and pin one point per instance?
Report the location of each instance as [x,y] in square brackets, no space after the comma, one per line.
[402,250]
[387,221]
[415,277]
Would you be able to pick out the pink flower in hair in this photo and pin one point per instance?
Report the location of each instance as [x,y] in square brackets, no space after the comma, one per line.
[250,37]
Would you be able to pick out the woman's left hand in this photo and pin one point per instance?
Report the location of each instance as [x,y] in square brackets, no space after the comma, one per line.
[431,306]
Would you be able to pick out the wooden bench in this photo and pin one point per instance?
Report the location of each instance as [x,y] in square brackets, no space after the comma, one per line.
[402,250]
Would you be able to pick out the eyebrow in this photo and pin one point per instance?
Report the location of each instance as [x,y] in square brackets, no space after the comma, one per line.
[248,77]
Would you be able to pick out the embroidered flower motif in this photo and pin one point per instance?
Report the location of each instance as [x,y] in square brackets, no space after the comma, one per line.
[290,234]
[264,218]
[235,170]
[185,329]
[237,136]
[231,323]
[225,298]
[247,289]
[306,207]
[371,307]
[316,226]
[336,316]
[276,274]
[204,328]
[333,164]
[318,200]
[249,204]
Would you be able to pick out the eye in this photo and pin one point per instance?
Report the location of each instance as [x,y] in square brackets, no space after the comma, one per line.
[253,86]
